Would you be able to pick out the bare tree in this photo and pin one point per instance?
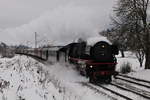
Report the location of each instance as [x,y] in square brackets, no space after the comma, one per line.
[131,21]
[140,56]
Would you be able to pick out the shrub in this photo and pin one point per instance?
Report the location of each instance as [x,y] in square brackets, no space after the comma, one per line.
[125,68]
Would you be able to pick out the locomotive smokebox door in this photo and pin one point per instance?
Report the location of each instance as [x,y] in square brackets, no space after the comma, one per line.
[115,49]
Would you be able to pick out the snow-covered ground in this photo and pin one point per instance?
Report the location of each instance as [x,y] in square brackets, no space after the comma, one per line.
[129,58]
[137,71]
[23,78]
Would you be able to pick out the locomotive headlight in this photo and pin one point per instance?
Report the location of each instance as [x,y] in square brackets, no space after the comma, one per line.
[91,66]
[103,46]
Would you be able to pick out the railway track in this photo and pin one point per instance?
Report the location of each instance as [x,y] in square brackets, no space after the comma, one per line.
[133,78]
[103,89]
[127,87]
[92,86]
[120,89]
[136,81]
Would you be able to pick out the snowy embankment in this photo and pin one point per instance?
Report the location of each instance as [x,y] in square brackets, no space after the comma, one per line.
[23,78]
[129,58]
[137,71]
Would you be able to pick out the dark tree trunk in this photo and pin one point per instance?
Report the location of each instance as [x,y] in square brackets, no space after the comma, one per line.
[140,56]
[147,62]
[140,64]
[122,53]
[147,57]
[147,45]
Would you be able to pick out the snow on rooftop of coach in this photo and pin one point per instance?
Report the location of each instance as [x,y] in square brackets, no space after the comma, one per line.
[94,40]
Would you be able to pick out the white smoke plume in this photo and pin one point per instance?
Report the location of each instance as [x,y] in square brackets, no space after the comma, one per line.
[61,25]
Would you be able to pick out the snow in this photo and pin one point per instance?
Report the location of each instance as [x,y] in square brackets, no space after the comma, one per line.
[129,58]
[66,78]
[23,78]
[137,71]
[93,40]
[142,74]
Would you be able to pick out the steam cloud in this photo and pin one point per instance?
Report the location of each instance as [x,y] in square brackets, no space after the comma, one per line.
[59,26]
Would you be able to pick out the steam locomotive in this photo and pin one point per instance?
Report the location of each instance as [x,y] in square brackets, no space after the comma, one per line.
[96,62]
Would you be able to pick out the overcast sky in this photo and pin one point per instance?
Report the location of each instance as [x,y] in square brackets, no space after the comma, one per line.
[19,17]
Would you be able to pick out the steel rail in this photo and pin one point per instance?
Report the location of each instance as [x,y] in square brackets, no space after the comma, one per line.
[132,89]
[133,81]
[97,90]
[114,92]
[141,80]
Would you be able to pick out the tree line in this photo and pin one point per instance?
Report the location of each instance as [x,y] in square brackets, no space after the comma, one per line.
[131,28]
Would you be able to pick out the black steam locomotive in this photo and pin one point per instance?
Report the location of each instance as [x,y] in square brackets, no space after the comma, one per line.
[96,62]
